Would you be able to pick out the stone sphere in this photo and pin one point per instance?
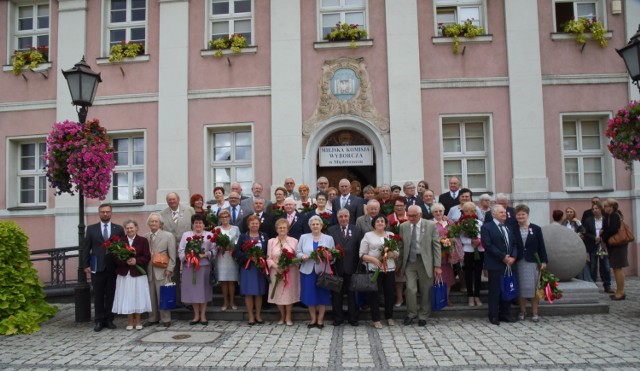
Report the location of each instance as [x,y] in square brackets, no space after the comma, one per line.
[565,250]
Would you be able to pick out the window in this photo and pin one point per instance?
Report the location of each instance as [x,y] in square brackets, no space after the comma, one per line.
[128,177]
[231,158]
[584,155]
[31,25]
[228,17]
[465,152]
[343,11]
[566,10]
[126,21]
[32,181]
[459,11]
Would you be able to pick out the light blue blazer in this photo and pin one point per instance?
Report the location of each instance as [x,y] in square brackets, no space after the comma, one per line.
[305,247]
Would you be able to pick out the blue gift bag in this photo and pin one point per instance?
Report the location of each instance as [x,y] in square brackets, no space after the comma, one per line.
[439,295]
[167,296]
[508,285]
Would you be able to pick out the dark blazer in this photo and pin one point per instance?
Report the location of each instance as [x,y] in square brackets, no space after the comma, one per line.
[586,214]
[267,224]
[415,200]
[354,205]
[143,255]
[511,221]
[495,248]
[426,214]
[610,225]
[351,246]
[534,244]
[590,234]
[448,202]
[92,246]
[296,229]
[240,257]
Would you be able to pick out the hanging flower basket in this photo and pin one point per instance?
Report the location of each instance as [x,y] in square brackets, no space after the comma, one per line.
[624,133]
[79,158]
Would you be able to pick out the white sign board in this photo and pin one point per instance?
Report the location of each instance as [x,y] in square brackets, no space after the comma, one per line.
[346,156]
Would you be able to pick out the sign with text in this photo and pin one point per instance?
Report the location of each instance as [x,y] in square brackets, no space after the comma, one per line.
[346,156]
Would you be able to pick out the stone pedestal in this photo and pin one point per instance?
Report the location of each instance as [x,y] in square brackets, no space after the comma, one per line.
[577,291]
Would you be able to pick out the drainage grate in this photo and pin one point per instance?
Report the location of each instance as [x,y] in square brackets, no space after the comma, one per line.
[197,337]
[181,337]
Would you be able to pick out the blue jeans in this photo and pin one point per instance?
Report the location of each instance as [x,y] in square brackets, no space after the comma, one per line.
[605,269]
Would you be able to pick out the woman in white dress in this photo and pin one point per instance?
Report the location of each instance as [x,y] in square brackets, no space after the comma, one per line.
[226,267]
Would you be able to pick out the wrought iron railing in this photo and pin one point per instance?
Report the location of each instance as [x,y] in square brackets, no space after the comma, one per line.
[59,276]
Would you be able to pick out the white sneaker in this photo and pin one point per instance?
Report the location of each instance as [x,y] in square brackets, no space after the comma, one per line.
[478,302]
[521,316]
[472,303]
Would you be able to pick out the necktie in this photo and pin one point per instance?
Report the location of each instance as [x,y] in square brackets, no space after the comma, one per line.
[105,232]
[233,215]
[343,200]
[428,208]
[290,218]
[175,216]
[413,247]
[344,232]
[501,227]
[153,241]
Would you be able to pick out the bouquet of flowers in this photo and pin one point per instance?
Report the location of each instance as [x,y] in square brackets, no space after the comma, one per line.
[326,217]
[325,254]
[286,260]
[306,207]
[395,227]
[192,252]
[623,131]
[467,226]
[602,252]
[210,219]
[254,253]
[277,210]
[120,249]
[390,244]
[386,208]
[547,285]
[446,245]
[222,241]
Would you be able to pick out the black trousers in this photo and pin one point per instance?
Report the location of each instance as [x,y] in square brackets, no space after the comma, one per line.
[473,273]
[497,308]
[337,302]
[104,290]
[387,285]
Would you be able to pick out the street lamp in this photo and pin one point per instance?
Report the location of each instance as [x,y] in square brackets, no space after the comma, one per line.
[83,83]
[631,56]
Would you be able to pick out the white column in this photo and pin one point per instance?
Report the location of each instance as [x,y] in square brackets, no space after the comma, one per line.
[173,115]
[530,182]
[72,31]
[286,91]
[405,105]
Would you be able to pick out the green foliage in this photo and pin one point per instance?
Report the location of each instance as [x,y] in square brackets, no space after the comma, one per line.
[235,43]
[31,57]
[346,32]
[125,50]
[582,26]
[457,30]
[22,304]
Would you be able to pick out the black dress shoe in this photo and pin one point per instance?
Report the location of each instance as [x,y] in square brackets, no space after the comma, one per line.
[608,290]
[149,323]
[320,325]
[407,321]
[354,323]
[507,319]
[166,324]
[110,325]
[259,322]
[614,298]
[422,322]
[311,325]
[494,321]
[99,326]
[338,323]
[193,322]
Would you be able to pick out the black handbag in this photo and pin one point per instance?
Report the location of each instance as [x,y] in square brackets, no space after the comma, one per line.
[331,282]
[361,281]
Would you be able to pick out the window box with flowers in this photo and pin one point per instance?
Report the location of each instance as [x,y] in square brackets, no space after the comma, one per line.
[125,50]
[461,32]
[228,45]
[34,59]
[345,35]
[584,29]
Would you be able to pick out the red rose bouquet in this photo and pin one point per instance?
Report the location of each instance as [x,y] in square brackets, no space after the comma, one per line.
[222,241]
[286,260]
[326,255]
[326,217]
[120,249]
[306,207]
[547,284]
[277,210]
[467,226]
[254,254]
[192,252]
[210,219]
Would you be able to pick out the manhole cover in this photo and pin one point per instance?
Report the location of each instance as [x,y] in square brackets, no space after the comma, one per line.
[181,337]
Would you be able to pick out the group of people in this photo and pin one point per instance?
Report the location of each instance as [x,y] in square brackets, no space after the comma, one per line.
[258,233]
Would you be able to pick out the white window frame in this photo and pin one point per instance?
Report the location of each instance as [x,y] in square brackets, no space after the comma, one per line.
[607,163]
[231,18]
[12,26]
[130,168]
[600,6]
[343,9]
[15,174]
[211,165]
[463,155]
[128,25]
[461,4]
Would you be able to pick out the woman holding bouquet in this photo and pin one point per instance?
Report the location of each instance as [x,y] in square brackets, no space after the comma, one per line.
[132,288]
[529,244]
[321,210]
[251,254]
[303,189]
[372,251]
[226,267]
[287,291]
[450,254]
[311,295]
[196,250]
[473,252]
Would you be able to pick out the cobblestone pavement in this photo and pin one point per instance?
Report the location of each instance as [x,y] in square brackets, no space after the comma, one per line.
[609,341]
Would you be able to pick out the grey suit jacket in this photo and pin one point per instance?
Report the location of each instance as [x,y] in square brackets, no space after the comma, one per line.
[364,223]
[183,224]
[240,214]
[428,249]
[164,243]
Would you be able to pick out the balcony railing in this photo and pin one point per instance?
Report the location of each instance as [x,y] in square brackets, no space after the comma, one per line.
[61,280]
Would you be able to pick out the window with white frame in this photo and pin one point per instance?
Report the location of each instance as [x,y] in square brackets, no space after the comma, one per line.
[343,11]
[465,151]
[585,163]
[30,24]
[32,181]
[128,177]
[566,10]
[231,158]
[126,21]
[459,11]
[228,17]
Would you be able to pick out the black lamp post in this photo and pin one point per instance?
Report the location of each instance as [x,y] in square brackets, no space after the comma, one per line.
[83,83]
[631,56]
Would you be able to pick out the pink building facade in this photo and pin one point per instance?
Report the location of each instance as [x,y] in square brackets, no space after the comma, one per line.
[521,109]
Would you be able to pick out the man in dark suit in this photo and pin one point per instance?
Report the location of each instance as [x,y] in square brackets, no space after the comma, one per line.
[451,198]
[364,222]
[500,247]
[348,201]
[592,227]
[348,236]
[246,204]
[428,199]
[296,220]
[511,222]
[409,189]
[267,221]
[102,267]
[589,212]
[236,212]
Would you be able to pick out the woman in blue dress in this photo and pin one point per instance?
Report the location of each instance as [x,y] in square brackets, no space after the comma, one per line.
[253,281]
[316,298]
